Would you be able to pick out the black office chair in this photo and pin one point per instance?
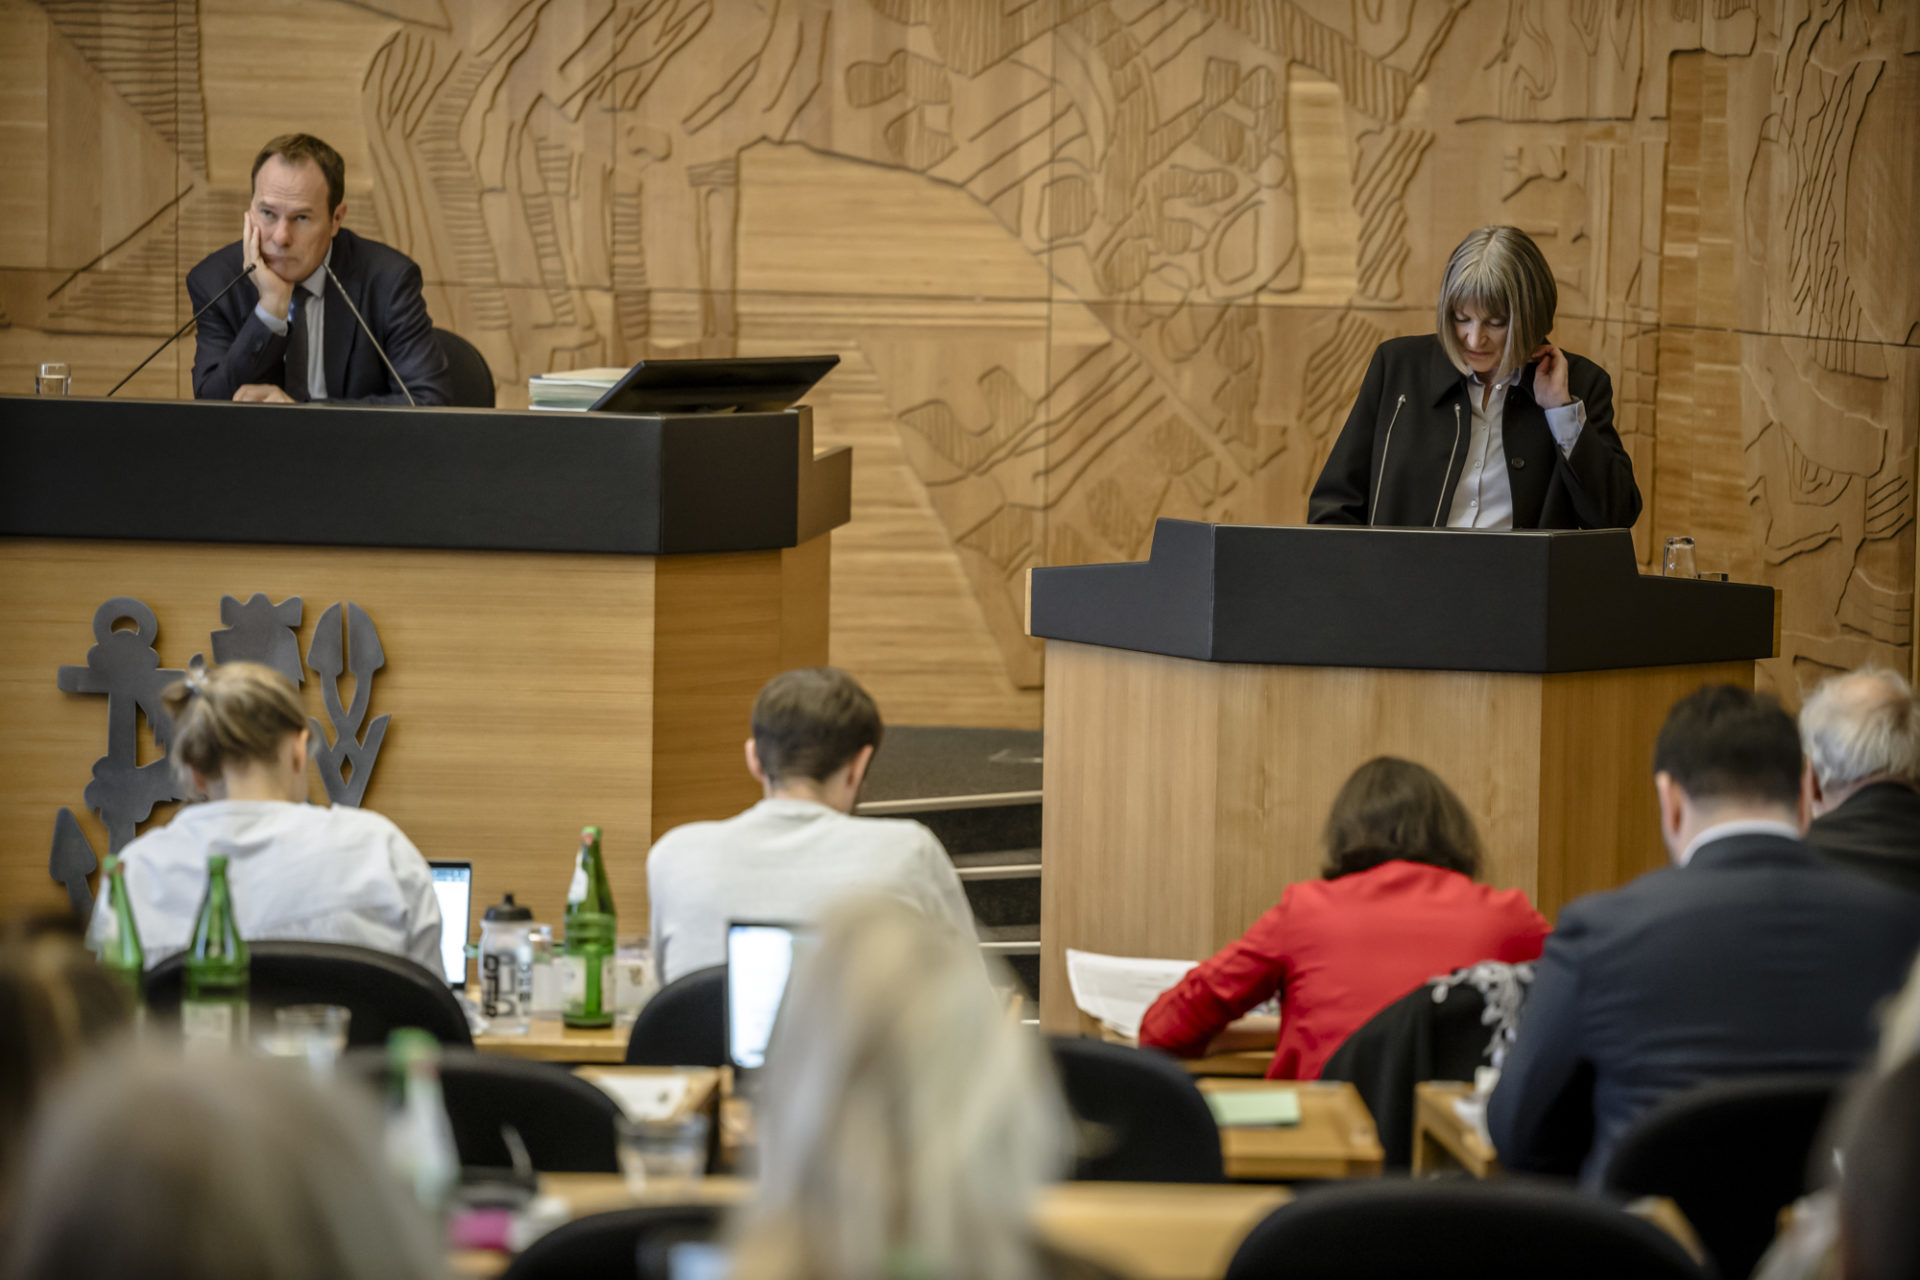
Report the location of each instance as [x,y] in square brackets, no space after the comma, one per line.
[1731,1154]
[627,1244]
[684,1025]
[384,991]
[1141,1117]
[1457,1230]
[565,1124]
[469,379]
[1437,1031]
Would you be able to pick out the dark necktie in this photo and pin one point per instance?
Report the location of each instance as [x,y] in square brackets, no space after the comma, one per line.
[297,347]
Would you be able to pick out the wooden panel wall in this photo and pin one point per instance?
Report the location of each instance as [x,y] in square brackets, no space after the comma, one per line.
[1088,262]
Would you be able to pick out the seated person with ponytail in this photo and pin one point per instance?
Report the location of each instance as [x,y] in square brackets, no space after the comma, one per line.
[299,872]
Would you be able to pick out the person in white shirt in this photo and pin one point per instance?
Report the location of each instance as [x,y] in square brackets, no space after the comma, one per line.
[298,872]
[800,850]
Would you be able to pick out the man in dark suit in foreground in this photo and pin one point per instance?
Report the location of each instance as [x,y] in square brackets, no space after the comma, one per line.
[285,334]
[1751,955]
[1861,732]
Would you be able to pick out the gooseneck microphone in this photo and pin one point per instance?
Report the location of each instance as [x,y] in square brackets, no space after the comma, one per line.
[245,272]
[342,291]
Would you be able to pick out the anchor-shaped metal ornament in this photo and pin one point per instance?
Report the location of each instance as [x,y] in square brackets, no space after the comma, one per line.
[363,657]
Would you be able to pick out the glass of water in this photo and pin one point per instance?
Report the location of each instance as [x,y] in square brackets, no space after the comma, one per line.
[1679,560]
[53,379]
[313,1033]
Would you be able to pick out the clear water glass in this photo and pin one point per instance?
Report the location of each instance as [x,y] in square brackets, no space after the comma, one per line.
[53,379]
[312,1033]
[663,1157]
[1679,559]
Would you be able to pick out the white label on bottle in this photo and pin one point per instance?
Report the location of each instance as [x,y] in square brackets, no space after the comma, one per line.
[606,983]
[577,891]
[573,979]
[212,1025]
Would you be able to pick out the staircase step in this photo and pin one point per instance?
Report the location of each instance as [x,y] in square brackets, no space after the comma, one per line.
[1004,864]
[1010,939]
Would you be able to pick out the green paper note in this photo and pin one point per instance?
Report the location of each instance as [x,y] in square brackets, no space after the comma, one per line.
[1239,1107]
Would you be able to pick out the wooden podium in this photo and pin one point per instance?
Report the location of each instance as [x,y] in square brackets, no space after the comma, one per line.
[574,610]
[1203,707]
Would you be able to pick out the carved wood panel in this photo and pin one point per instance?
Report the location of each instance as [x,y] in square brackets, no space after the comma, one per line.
[1088,262]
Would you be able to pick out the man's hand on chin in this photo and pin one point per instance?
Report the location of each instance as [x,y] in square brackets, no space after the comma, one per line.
[262,393]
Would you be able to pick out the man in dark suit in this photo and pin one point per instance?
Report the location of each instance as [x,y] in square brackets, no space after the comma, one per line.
[1861,732]
[285,334]
[1751,955]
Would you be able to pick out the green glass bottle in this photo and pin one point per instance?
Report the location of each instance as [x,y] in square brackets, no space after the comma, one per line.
[213,1009]
[120,950]
[587,955]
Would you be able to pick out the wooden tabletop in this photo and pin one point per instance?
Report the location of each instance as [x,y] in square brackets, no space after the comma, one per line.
[549,1040]
[1334,1139]
[1146,1230]
[1442,1139]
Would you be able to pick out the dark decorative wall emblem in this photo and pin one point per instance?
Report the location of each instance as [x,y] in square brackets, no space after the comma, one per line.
[124,665]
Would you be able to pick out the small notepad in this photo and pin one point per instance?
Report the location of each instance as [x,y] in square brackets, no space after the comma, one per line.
[1241,1107]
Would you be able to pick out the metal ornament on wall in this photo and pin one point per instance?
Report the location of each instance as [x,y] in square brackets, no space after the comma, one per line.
[263,632]
[362,657]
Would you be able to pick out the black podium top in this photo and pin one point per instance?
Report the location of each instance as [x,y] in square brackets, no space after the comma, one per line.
[1425,599]
[373,475]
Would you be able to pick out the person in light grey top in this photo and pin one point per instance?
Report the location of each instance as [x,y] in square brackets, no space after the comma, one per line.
[799,851]
[299,872]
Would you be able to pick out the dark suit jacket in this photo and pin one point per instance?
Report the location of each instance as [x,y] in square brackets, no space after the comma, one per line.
[1404,448]
[233,347]
[1877,831]
[1757,957]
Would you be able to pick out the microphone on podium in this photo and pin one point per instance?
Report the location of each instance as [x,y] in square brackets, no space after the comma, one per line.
[342,291]
[245,272]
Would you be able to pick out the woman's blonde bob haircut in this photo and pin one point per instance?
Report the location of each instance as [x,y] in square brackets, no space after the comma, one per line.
[1501,272]
[908,1121]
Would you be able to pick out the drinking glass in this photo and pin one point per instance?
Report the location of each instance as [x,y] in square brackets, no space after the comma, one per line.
[313,1033]
[663,1157]
[1679,560]
[53,379]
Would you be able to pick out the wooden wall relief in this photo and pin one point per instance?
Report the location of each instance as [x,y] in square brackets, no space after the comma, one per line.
[1089,262]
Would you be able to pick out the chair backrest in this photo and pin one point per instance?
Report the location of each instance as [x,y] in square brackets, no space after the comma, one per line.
[566,1124]
[684,1025]
[1448,1230]
[384,991]
[1141,1118]
[469,379]
[627,1244]
[1435,1032]
[1731,1154]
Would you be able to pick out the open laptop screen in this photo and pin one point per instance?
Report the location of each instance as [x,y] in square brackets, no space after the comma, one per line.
[760,957]
[453,886]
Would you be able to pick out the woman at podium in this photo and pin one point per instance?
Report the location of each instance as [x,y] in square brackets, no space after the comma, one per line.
[1483,424]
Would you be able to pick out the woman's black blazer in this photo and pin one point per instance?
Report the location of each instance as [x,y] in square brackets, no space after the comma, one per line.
[1404,447]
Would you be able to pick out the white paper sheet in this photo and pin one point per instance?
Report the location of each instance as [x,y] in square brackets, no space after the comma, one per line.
[1118,989]
[645,1097]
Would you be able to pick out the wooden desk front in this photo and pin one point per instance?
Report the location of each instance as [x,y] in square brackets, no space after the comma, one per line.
[549,1040]
[1335,1138]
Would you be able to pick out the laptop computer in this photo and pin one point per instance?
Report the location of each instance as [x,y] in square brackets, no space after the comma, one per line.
[760,960]
[453,886]
[742,384]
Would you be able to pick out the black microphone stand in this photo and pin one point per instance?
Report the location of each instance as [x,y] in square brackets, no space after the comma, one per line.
[183,328]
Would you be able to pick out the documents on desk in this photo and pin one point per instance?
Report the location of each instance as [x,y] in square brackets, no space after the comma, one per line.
[649,1097]
[1117,990]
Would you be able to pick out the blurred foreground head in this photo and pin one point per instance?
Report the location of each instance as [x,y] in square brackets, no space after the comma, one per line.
[909,1118]
[169,1168]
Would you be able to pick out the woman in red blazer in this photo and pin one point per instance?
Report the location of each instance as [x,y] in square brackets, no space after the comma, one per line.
[1398,905]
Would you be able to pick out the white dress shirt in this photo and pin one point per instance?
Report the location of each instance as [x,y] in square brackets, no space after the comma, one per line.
[1484,499]
[789,861]
[298,873]
[316,308]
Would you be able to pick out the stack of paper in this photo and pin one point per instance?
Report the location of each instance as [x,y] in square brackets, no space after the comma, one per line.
[573,390]
[1118,989]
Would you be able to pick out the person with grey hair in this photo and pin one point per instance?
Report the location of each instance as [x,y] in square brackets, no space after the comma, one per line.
[155,1165]
[1484,423]
[1861,735]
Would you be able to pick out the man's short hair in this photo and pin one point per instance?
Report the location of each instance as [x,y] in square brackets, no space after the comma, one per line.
[294,148]
[1861,724]
[809,722]
[1728,743]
